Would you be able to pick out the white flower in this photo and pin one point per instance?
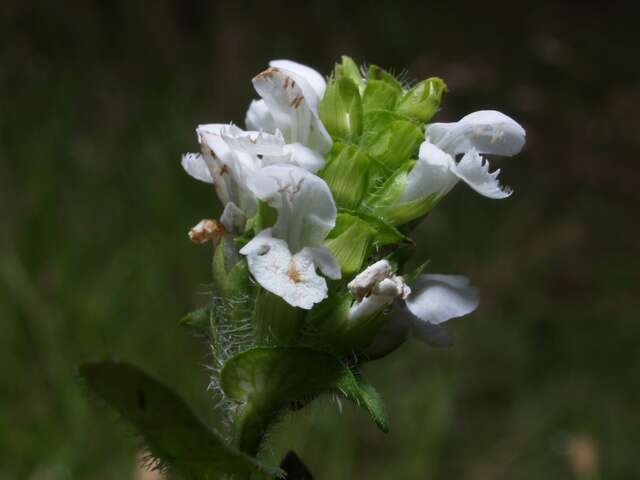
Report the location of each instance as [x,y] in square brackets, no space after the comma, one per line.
[290,94]
[484,132]
[429,301]
[283,259]
[230,156]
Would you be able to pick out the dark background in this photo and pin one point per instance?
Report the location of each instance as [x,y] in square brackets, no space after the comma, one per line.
[99,99]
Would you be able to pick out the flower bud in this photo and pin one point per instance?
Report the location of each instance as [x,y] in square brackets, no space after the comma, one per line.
[349,69]
[341,109]
[206,230]
[347,174]
[422,101]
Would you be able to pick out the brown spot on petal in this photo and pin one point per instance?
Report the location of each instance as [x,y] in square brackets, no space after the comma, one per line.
[293,273]
[296,102]
[286,82]
[223,169]
[268,73]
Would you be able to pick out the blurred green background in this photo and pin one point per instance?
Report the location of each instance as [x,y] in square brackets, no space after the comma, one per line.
[99,99]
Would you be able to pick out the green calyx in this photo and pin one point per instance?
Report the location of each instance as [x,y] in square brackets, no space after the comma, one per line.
[331,329]
[355,234]
[421,102]
[393,141]
[341,109]
[385,203]
[274,320]
[347,174]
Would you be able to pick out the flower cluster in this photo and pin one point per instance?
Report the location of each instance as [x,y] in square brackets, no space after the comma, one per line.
[320,196]
[326,176]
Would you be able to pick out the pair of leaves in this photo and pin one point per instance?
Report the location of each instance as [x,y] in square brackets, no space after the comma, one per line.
[270,380]
[172,432]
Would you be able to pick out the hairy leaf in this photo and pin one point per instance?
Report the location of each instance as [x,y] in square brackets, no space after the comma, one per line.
[172,432]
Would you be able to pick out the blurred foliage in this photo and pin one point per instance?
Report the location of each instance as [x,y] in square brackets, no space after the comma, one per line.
[99,99]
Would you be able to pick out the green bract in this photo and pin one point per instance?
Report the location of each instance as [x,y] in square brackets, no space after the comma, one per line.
[341,109]
[422,101]
[347,174]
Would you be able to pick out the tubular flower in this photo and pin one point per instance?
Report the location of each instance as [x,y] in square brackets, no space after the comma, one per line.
[428,301]
[290,95]
[230,156]
[283,259]
[484,132]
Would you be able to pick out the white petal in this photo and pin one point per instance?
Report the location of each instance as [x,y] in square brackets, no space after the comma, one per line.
[474,170]
[311,76]
[232,155]
[433,335]
[291,277]
[392,334]
[292,104]
[488,131]
[194,165]
[325,261]
[369,306]
[431,174]
[304,157]
[306,209]
[438,298]
[259,118]
[364,283]
[233,218]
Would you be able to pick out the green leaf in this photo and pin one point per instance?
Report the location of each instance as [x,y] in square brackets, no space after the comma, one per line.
[270,380]
[341,109]
[365,396]
[422,101]
[173,433]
